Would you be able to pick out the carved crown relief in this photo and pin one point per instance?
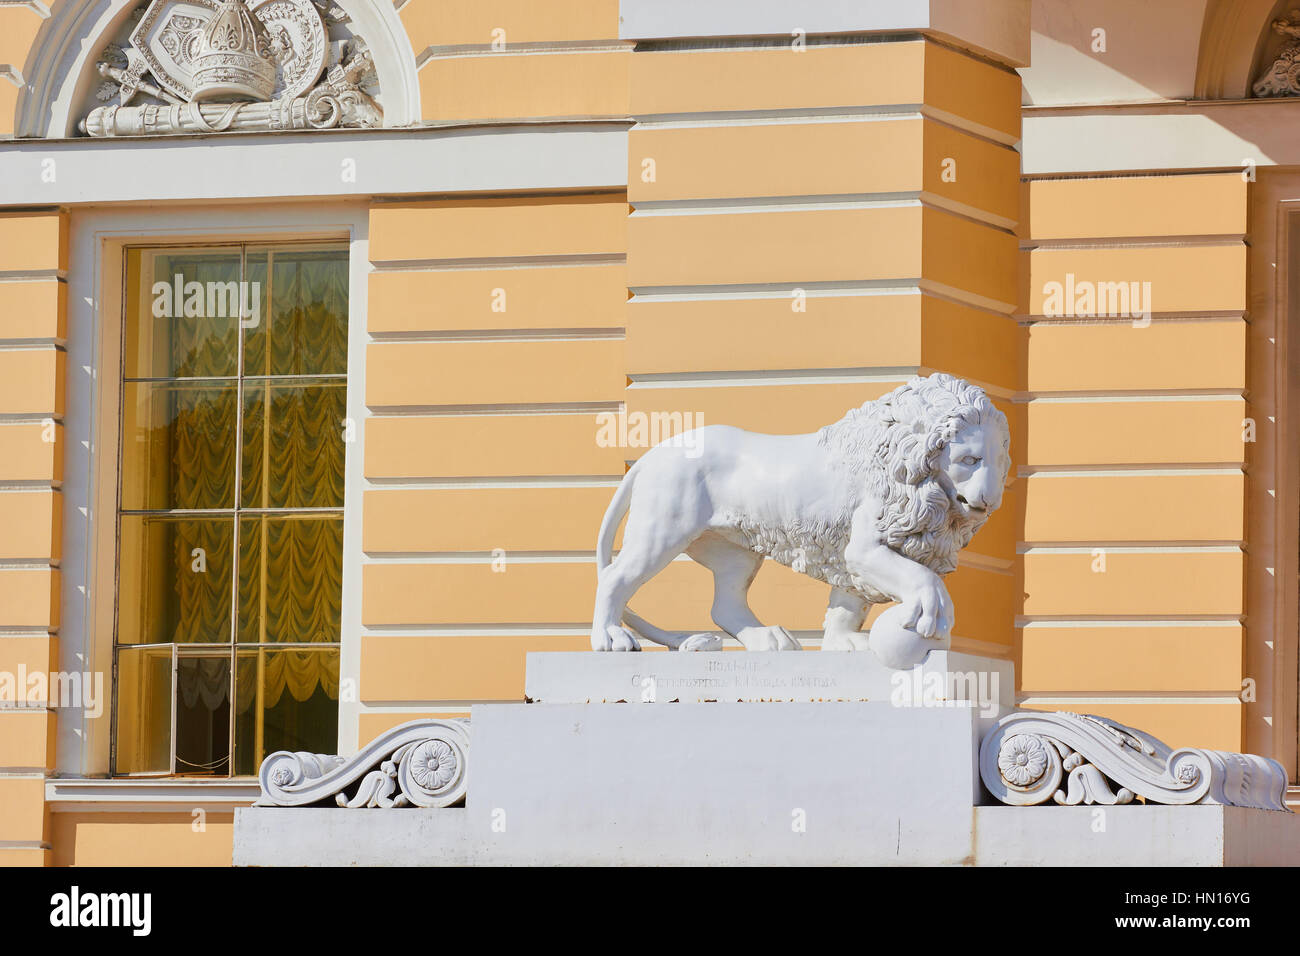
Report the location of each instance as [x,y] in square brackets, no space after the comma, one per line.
[208,66]
[1282,78]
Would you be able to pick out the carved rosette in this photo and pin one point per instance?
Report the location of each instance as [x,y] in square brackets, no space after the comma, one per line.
[423,763]
[1030,757]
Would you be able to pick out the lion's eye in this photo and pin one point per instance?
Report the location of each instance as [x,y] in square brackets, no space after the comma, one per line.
[970,460]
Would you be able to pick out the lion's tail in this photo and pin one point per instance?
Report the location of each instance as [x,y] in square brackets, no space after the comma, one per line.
[613,518]
[614,514]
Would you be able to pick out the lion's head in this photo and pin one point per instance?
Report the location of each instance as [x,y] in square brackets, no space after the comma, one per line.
[936,453]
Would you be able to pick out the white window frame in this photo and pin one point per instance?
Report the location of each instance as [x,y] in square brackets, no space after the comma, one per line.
[98,239]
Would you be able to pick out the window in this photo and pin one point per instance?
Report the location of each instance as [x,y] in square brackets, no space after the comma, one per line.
[230,506]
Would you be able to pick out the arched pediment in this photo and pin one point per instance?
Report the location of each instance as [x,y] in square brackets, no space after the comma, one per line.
[1239,46]
[134,59]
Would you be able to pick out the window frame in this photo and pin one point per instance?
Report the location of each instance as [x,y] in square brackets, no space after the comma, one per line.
[95,297]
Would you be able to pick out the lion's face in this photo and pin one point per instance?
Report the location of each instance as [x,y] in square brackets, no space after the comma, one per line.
[974,467]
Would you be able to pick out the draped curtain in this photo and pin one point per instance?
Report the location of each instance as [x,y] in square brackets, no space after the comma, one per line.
[289,568]
[296,595]
[298,672]
[309,307]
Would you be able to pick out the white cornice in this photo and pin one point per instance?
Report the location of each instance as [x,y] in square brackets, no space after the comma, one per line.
[995,28]
[337,164]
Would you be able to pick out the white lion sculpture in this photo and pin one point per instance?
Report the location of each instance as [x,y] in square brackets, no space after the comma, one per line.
[877,505]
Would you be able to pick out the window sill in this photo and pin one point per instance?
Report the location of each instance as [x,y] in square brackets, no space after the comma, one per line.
[155,795]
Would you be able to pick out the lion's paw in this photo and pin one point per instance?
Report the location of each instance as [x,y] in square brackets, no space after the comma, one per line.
[773,638]
[620,639]
[701,642]
[844,641]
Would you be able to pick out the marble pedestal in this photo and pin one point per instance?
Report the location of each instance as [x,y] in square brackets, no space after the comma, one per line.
[730,758]
[832,783]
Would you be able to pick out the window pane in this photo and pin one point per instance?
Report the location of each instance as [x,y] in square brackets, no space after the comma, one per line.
[174,580]
[193,409]
[285,700]
[290,579]
[183,309]
[305,330]
[144,710]
[203,714]
[293,444]
[178,446]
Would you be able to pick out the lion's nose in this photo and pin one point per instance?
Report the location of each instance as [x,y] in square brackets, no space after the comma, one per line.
[972,505]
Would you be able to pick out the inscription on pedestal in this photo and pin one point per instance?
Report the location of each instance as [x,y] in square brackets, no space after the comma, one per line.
[726,677]
[659,678]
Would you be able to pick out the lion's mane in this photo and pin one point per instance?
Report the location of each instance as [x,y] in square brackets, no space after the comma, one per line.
[890,449]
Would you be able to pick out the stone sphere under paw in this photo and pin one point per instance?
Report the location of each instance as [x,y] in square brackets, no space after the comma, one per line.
[899,646]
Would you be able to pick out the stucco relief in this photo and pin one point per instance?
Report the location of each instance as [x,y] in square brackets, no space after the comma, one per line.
[205,66]
[1282,78]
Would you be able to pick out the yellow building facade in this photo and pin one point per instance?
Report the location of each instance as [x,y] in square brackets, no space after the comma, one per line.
[583,225]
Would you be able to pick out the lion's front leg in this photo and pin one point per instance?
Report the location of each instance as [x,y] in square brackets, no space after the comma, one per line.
[843,624]
[904,635]
[922,593]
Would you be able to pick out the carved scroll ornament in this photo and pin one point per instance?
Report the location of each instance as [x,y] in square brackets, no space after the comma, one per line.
[1030,758]
[422,763]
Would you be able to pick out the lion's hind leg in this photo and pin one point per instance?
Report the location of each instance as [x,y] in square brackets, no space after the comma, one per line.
[647,550]
[734,569]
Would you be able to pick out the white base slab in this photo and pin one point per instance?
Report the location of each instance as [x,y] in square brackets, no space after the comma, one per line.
[1007,836]
[1136,835]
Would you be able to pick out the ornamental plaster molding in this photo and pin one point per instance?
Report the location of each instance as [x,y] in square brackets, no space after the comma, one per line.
[422,763]
[1282,78]
[1032,757]
[208,66]
[1231,35]
[83,58]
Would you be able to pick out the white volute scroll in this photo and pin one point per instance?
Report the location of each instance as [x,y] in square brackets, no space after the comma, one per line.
[1030,758]
[422,763]
[878,505]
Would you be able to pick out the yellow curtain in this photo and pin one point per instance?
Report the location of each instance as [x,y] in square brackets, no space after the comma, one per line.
[307,324]
[201,345]
[299,672]
[290,583]
[304,445]
[202,455]
[300,584]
